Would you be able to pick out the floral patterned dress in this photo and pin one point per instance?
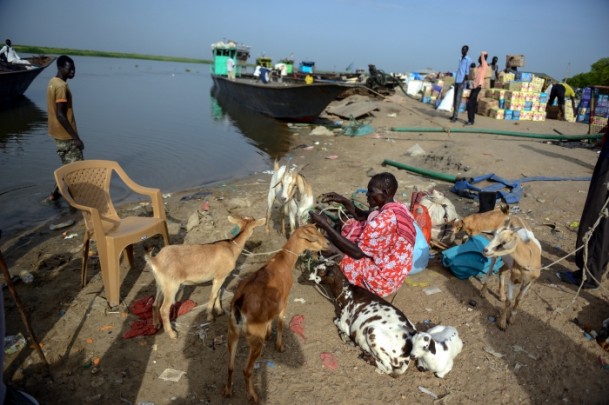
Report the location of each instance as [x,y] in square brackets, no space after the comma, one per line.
[389,255]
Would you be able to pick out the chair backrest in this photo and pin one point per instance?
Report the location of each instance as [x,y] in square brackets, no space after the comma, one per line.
[87,183]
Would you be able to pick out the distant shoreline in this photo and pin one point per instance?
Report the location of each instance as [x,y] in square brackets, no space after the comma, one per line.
[83,52]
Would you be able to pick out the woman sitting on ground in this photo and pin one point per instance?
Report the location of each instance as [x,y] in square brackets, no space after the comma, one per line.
[376,246]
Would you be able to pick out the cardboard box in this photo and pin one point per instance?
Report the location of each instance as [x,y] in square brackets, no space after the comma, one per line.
[486,104]
[514,61]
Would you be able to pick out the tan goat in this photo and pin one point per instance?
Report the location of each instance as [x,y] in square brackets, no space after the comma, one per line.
[194,264]
[521,254]
[487,221]
[262,297]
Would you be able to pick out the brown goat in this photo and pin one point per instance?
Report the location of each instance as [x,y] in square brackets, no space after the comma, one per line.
[482,222]
[262,297]
[193,264]
[521,254]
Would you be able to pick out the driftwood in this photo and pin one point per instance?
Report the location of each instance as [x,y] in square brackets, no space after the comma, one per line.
[21,308]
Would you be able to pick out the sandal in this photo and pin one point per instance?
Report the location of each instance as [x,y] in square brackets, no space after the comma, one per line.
[569,277]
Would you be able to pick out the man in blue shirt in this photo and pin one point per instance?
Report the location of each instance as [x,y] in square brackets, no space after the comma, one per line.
[460,80]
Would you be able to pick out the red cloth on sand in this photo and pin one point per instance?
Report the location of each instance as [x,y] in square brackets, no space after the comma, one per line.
[143,309]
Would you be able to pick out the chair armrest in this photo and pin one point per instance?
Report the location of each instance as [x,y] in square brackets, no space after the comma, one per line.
[158,207]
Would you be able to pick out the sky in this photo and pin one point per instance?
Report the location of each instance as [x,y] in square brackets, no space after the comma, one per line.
[558,37]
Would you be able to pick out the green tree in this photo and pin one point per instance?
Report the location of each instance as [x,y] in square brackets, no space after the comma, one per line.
[598,75]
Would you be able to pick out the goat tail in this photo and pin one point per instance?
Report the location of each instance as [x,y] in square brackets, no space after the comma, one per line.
[148,254]
[505,208]
[236,310]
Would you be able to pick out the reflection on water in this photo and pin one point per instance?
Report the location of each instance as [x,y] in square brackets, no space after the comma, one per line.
[265,133]
[18,118]
[153,118]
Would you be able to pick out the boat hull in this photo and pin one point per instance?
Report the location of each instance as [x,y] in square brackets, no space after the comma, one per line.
[13,83]
[284,101]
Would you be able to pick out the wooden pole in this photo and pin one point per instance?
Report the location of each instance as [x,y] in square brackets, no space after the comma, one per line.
[20,307]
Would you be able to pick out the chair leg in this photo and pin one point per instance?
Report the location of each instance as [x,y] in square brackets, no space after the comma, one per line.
[109,261]
[85,259]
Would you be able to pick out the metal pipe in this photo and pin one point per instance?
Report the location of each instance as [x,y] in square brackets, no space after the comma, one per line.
[434,175]
[501,132]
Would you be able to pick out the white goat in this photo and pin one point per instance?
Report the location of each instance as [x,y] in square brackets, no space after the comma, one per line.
[363,318]
[436,349]
[294,193]
[521,254]
[193,264]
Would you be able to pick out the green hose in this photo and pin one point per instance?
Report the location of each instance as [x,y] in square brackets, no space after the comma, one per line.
[434,175]
[500,132]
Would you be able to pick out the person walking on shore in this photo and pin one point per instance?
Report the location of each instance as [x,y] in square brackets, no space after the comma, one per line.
[494,71]
[472,102]
[61,121]
[460,80]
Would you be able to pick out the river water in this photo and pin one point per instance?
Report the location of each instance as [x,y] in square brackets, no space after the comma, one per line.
[159,120]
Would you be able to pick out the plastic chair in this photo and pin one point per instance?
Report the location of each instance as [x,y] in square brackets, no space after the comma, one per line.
[85,185]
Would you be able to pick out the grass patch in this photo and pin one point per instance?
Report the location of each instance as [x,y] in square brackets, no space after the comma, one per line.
[42,50]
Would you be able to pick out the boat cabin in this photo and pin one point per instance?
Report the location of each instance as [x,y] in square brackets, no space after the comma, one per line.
[265,62]
[289,63]
[307,67]
[221,51]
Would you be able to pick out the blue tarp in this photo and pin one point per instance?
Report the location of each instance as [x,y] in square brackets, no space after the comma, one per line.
[465,187]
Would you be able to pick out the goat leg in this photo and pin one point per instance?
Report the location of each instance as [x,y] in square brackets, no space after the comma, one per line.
[216,284]
[279,342]
[487,277]
[256,343]
[233,339]
[505,313]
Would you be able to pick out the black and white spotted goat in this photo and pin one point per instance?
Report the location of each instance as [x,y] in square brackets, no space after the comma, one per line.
[436,349]
[381,330]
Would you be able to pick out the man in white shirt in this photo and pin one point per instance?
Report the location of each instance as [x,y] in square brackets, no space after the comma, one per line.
[230,68]
[11,56]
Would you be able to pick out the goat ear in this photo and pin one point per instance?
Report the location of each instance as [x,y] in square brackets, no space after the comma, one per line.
[232,219]
[276,165]
[432,346]
[260,221]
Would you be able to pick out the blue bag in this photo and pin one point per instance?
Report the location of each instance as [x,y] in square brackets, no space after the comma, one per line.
[420,254]
[467,260]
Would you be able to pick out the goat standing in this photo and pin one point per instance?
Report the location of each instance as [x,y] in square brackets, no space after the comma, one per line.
[262,297]
[521,254]
[193,264]
[294,193]
[363,318]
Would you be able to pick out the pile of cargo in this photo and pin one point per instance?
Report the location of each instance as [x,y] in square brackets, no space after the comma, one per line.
[593,109]
[516,96]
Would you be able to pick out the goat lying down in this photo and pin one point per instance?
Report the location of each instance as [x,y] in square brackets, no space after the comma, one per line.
[293,192]
[478,223]
[175,265]
[262,297]
[436,349]
[521,254]
[381,330]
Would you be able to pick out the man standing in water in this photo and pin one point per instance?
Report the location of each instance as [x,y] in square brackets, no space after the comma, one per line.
[460,80]
[62,124]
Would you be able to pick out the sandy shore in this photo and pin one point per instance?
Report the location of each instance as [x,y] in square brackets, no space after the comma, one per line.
[542,358]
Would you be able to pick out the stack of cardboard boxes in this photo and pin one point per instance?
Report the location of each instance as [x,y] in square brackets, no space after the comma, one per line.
[518,97]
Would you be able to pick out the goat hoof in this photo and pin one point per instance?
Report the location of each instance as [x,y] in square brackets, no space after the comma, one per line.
[502,324]
[280,349]
[172,335]
[228,392]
